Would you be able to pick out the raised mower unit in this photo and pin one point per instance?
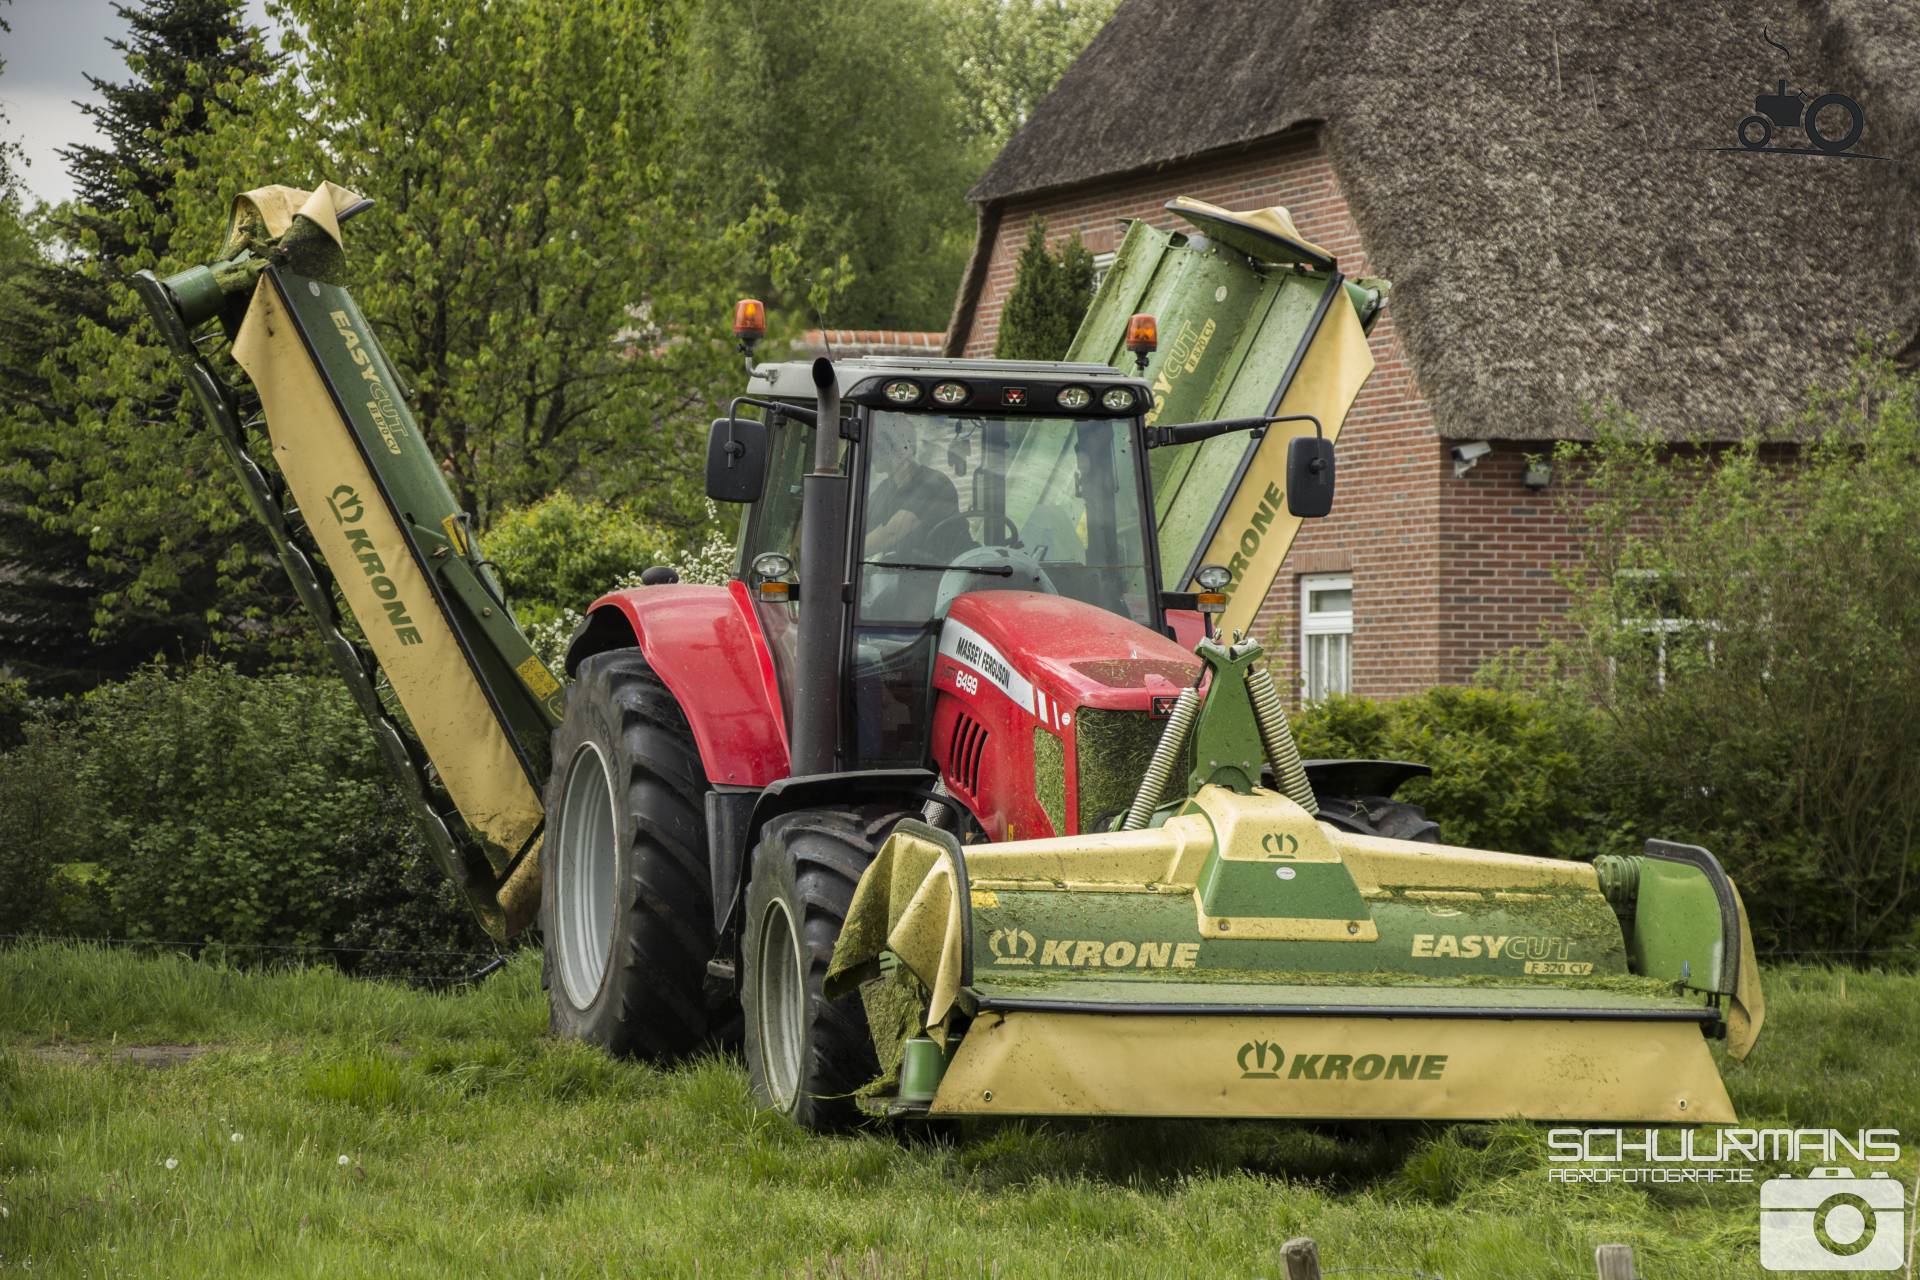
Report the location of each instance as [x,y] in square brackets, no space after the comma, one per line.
[952,801]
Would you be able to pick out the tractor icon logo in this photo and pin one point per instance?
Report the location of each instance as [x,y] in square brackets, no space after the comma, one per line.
[1831,121]
[1254,1057]
[1012,946]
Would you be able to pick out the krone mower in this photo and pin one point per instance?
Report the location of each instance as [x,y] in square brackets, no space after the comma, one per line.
[967,794]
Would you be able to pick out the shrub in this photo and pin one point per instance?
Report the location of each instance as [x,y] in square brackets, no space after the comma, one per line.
[1051,292]
[1772,712]
[562,552]
[47,880]
[1512,771]
[214,808]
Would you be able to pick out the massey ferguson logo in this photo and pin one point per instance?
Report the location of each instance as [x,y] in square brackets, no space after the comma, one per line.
[1264,1060]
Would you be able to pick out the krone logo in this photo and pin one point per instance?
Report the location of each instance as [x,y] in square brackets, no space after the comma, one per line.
[1254,1058]
[346,504]
[1012,946]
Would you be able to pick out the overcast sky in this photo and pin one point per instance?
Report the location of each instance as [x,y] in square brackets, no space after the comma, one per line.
[52,48]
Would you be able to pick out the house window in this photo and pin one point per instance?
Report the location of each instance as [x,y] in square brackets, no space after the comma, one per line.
[1326,635]
[1654,607]
[1102,263]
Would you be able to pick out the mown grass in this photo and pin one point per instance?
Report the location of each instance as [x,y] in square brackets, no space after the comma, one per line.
[474,1144]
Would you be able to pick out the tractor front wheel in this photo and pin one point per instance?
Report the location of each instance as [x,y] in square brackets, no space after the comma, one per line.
[626,914]
[807,1054]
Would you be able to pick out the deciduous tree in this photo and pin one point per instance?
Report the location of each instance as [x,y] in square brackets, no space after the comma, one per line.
[1749,621]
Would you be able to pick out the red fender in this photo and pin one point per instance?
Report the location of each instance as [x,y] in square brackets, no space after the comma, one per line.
[706,645]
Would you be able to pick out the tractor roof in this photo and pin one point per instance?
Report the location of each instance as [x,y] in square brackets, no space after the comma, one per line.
[793,379]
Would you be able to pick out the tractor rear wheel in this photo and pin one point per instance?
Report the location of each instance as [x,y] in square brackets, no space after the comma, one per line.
[806,1054]
[626,913]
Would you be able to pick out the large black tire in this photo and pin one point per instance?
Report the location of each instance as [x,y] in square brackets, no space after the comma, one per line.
[635,881]
[807,1055]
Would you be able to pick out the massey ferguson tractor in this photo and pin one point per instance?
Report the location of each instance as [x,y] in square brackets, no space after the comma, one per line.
[969,794]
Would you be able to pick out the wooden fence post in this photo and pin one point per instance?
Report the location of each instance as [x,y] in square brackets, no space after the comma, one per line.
[1302,1257]
[1614,1261]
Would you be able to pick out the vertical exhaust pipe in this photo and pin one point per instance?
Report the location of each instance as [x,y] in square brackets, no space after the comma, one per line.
[823,554]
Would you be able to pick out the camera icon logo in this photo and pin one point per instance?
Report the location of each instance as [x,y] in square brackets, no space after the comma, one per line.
[1832,1221]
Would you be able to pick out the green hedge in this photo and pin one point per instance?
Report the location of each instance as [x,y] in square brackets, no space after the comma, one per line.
[1552,774]
[561,553]
[213,808]
[1511,771]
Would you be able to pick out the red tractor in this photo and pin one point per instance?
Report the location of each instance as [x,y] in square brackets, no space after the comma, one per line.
[942,557]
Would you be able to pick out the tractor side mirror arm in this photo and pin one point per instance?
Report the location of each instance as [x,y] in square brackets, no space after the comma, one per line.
[1309,458]
[1194,432]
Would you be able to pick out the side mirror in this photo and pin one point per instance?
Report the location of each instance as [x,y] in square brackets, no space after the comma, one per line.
[1309,476]
[736,459]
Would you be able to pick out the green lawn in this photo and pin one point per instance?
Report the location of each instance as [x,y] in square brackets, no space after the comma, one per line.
[327,1127]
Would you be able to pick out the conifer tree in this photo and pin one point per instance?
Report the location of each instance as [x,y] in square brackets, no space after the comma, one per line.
[1049,298]
[58,313]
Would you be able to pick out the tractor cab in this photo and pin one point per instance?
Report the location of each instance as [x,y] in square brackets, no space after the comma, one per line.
[960,476]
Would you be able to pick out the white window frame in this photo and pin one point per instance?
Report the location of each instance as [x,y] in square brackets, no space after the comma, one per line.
[1325,623]
[1102,263]
[1660,628]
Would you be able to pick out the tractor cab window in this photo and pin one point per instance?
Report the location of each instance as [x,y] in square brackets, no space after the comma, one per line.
[957,504]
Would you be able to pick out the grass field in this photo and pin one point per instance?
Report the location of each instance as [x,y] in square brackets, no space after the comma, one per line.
[312,1125]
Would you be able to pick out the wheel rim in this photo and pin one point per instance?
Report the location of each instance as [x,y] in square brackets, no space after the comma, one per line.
[781,1006]
[583,877]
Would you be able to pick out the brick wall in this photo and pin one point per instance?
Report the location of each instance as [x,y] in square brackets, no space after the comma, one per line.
[1446,572]
[1501,545]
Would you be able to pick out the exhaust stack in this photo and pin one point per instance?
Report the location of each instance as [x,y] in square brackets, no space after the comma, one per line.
[823,525]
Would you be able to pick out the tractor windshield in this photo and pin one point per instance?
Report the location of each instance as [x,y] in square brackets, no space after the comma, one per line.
[956,504]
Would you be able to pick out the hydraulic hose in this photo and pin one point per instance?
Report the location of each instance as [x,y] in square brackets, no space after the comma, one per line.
[1276,735]
[1166,755]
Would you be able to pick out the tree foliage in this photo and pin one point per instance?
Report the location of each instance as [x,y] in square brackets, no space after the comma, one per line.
[561,553]
[567,202]
[10,158]
[530,266]
[851,113]
[115,544]
[1049,298]
[206,807]
[1749,623]
[1511,769]
[1007,55]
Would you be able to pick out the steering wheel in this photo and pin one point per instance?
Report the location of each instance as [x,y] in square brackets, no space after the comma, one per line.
[1013,534]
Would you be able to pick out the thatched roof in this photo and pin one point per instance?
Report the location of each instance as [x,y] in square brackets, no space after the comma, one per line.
[1539,184]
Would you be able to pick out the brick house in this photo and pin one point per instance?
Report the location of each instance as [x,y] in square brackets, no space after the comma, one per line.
[1541,186]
